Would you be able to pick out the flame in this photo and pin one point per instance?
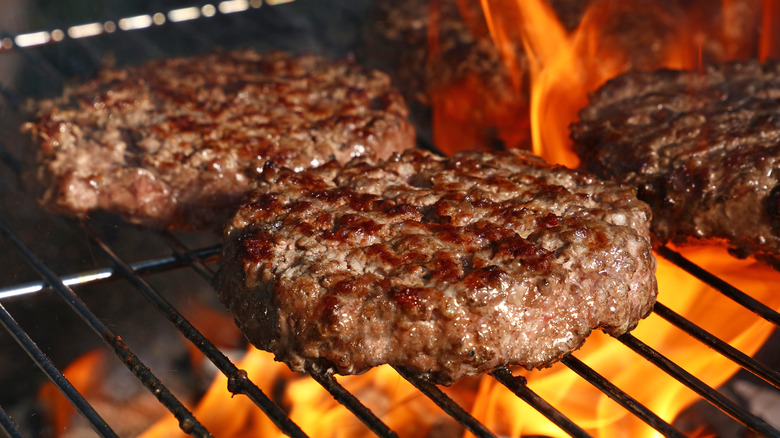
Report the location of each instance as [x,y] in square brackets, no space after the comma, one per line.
[224,415]
[80,374]
[399,404]
[565,67]
[128,411]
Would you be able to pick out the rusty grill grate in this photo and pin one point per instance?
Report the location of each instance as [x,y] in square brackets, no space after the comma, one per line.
[198,260]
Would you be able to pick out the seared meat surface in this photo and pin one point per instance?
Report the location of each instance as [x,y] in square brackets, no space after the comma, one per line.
[703,148]
[449,266]
[174,142]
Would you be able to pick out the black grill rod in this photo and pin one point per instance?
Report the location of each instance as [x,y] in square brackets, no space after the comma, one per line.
[40,63]
[8,425]
[13,163]
[100,275]
[445,403]
[712,396]
[15,101]
[238,382]
[748,363]
[193,260]
[631,404]
[352,403]
[187,422]
[57,378]
[325,380]
[519,386]
[723,287]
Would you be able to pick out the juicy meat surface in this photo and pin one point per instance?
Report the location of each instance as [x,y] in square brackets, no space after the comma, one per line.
[174,142]
[703,148]
[448,266]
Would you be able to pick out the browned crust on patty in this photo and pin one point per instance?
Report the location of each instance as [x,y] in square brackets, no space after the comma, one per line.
[174,142]
[449,266]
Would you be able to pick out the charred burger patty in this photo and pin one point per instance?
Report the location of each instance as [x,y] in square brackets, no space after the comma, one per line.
[174,142]
[703,149]
[448,266]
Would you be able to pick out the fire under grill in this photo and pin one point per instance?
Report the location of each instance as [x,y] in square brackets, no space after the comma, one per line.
[109,264]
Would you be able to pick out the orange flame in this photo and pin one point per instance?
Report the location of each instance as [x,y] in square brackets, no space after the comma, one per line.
[478,106]
[401,406]
[80,374]
[565,67]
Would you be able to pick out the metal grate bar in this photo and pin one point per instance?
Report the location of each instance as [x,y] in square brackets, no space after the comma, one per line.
[194,260]
[162,264]
[8,425]
[44,66]
[519,387]
[13,163]
[352,403]
[712,396]
[446,403]
[188,423]
[621,397]
[60,381]
[748,363]
[726,289]
[15,101]
[240,383]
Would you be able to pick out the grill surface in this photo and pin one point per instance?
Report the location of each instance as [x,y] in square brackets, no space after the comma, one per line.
[100,256]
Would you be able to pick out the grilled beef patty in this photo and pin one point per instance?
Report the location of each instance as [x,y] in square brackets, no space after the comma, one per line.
[174,142]
[703,148]
[448,266]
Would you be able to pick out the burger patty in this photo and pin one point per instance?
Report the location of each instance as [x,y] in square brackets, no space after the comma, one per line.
[448,266]
[174,142]
[703,148]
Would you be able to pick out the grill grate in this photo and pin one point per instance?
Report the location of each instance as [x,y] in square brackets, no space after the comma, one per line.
[199,259]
